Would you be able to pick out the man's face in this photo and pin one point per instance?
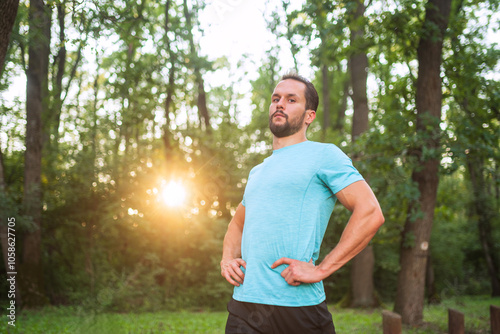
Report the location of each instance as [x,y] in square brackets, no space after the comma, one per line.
[287,111]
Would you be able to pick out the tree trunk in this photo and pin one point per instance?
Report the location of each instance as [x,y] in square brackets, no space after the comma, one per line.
[31,273]
[326,98]
[294,49]
[324,62]
[4,229]
[52,120]
[485,214]
[430,282]
[417,231]
[358,65]
[339,122]
[8,10]
[362,286]
[3,218]
[170,86]
[201,99]
[56,108]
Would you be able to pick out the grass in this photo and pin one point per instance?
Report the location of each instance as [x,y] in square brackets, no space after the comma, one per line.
[76,320]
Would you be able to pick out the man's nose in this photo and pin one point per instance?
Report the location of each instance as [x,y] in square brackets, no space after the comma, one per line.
[280,104]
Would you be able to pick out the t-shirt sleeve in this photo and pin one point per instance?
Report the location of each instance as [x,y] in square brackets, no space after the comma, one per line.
[336,170]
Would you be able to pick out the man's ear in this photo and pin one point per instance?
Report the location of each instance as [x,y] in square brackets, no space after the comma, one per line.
[310,116]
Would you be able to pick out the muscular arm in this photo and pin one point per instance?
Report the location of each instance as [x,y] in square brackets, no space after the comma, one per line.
[231,249]
[365,220]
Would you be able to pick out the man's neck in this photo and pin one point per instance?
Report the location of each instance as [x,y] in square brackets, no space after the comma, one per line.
[296,138]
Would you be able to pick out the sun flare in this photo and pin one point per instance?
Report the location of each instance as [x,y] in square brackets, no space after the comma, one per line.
[173,193]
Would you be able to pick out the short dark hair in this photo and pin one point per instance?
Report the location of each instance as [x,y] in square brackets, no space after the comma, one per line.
[312,99]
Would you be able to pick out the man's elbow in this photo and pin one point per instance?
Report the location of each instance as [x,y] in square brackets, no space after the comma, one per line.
[378,218]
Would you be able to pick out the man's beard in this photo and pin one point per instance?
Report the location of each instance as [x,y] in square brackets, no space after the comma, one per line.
[286,129]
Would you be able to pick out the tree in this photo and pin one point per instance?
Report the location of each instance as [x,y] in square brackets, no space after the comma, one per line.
[8,8]
[170,84]
[321,12]
[31,283]
[316,24]
[483,207]
[362,285]
[327,57]
[3,227]
[416,234]
[197,67]
[290,33]
[474,116]
[59,71]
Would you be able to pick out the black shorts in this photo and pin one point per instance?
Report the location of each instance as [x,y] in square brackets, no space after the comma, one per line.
[250,318]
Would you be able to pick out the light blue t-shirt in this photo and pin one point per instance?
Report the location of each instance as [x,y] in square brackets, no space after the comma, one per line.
[288,201]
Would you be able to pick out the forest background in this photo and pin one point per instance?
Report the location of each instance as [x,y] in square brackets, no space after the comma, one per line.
[123,163]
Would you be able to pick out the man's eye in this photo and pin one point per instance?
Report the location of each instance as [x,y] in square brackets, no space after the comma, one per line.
[275,100]
[291,100]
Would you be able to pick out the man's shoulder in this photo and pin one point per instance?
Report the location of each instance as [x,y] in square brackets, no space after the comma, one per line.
[324,148]
[256,167]
[320,145]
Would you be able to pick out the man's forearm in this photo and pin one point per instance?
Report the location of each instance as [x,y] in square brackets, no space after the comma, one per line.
[356,236]
[231,248]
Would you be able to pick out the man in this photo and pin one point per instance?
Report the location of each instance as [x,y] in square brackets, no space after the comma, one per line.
[272,243]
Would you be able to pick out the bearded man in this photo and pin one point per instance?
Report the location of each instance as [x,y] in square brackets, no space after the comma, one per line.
[273,241]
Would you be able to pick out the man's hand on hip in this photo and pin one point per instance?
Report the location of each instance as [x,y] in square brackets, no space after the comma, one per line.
[231,270]
[298,272]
